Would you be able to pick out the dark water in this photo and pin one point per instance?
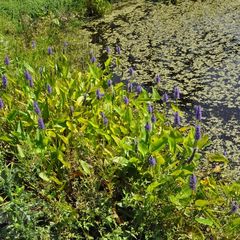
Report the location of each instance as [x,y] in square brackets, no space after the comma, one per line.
[193,45]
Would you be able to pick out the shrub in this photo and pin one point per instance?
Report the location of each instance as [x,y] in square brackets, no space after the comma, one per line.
[86,157]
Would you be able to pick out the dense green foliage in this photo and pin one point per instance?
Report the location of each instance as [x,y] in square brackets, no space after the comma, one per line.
[96,169]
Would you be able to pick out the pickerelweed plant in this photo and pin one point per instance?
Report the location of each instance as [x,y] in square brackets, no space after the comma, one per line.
[104,160]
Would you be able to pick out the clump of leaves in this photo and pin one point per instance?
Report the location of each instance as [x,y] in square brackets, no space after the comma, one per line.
[104,157]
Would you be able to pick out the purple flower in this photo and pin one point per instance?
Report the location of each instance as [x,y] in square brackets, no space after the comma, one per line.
[108,50]
[150,108]
[234,207]
[49,88]
[129,87]
[99,94]
[139,89]
[131,71]
[165,98]
[176,93]
[153,118]
[1,104]
[176,119]
[27,75]
[7,61]
[148,127]
[109,83]
[193,182]
[126,100]
[118,50]
[197,132]
[152,161]
[104,118]
[50,51]
[198,113]
[158,79]
[34,44]
[36,108]
[93,59]
[65,44]
[4,81]
[41,123]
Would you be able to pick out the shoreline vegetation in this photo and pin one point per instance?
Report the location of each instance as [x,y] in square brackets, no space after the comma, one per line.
[86,157]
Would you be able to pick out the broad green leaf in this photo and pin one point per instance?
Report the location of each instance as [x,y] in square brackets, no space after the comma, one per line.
[216,157]
[201,203]
[157,145]
[20,151]
[60,158]
[5,138]
[143,148]
[44,177]
[205,221]
[86,167]
[203,142]
[152,186]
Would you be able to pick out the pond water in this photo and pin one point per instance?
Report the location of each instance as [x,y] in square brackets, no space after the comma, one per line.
[193,45]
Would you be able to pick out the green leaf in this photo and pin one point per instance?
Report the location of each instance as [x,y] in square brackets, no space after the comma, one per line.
[152,186]
[44,177]
[201,203]
[20,151]
[143,148]
[5,138]
[85,167]
[216,157]
[203,142]
[60,158]
[158,144]
[205,221]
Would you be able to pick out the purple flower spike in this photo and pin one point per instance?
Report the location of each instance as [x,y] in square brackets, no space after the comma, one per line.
[152,161]
[150,108]
[139,89]
[118,50]
[6,61]
[198,113]
[49,88]
[129,87]
[36,108]
[104,118]
[50,51]
[197,132]
[4,81]
[234,207]
[176,93]
[153,118]
[41,123]
[109,83]
[148,127]
[99,94]
[105,121]
[27,75]
[158,79]
[93,59]
[131,71]
[176,119]
[1,104]
[126,100]
[108,50]
[65,44]
[34,44]
[165,98]
[193,182]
